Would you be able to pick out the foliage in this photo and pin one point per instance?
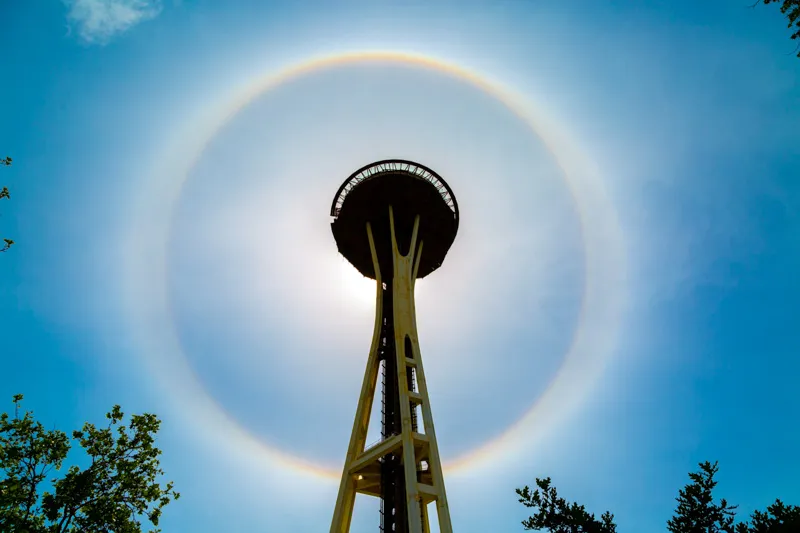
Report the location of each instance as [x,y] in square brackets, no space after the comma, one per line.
[557,516]
[696,511]
[113,493]
[790,8]
[6,162]
[779,518]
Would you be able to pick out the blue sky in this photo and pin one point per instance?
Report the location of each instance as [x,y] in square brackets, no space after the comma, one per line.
[654,216]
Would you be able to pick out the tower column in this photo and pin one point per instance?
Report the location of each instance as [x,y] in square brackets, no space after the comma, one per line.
[404,328]
[412,377]
[345,501]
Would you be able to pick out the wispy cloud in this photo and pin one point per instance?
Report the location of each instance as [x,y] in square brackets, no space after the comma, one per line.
[97,21]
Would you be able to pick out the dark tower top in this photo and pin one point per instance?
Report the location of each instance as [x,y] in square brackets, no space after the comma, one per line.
[410,189]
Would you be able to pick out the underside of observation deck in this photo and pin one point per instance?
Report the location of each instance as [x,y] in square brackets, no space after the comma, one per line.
[411,190]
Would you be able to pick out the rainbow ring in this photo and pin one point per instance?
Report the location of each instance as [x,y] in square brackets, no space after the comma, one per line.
[599,319]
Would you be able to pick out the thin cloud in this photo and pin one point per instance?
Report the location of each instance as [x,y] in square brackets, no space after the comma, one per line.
[97,21]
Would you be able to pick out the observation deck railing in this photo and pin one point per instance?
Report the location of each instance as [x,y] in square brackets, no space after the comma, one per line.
[392,166]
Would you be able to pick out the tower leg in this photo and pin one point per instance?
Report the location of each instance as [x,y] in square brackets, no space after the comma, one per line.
[426,526]
[434,461]
[345,501]
[409,360]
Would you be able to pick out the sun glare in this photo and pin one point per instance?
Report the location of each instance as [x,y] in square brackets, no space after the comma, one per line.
[356,289]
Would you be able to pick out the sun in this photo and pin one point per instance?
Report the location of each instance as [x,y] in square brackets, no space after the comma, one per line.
[355,288]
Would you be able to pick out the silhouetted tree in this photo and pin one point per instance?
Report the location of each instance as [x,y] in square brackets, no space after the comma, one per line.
[5,194]
[113,494]
[696,511]
[779,518]
[555,515]
[790,8]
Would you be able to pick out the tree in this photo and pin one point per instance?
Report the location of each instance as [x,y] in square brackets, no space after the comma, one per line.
[5,194]
[790,8]
[557,516]
[779,518]
[696,511]
[114,493]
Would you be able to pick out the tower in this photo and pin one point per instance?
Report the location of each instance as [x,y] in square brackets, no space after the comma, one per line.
[383,215]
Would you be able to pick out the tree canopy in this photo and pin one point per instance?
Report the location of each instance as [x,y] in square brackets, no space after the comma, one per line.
[116,491]
[696,511]
[790,8]
[554,514]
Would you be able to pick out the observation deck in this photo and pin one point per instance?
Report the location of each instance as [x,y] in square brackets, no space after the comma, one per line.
[410,189]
